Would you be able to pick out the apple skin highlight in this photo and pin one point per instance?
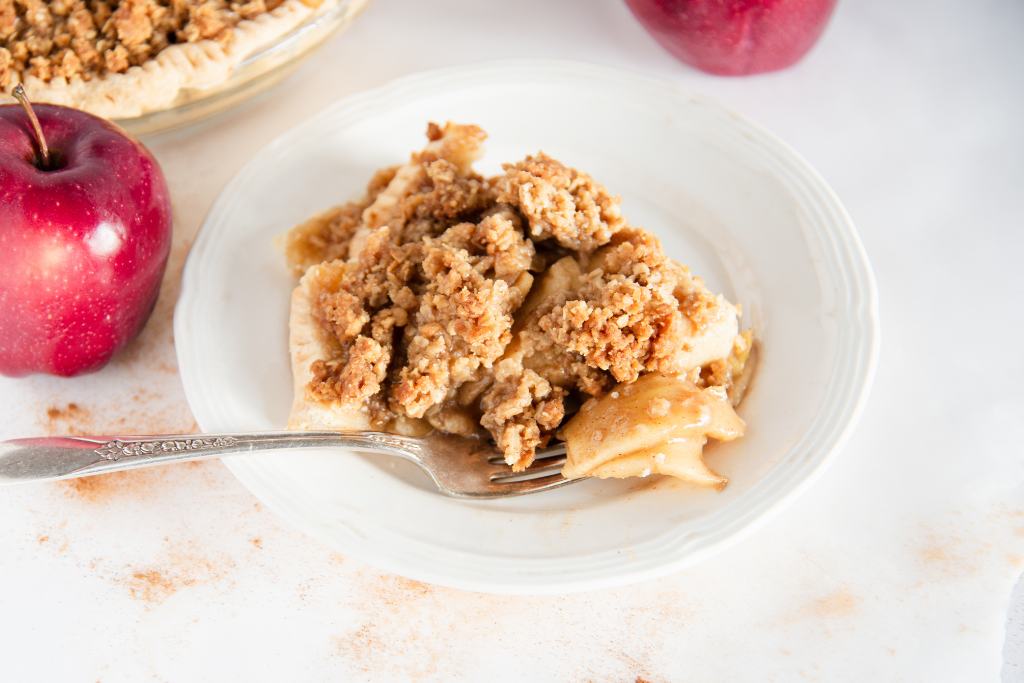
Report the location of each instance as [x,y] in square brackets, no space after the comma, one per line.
[83,243]
[735,37]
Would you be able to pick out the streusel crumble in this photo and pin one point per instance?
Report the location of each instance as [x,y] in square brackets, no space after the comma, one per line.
[501,307]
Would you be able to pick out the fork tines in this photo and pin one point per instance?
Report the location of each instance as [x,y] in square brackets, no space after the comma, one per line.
[547,462]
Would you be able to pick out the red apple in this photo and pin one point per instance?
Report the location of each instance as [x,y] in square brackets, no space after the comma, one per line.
[735,37]
[84,236]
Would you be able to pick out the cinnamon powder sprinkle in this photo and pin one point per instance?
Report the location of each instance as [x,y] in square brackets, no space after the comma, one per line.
[104,487]
[841,603]
[69,419]
[55,413]
[152,586]
[183,565]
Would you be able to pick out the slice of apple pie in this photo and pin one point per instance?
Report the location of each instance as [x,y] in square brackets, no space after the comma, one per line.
[518,308]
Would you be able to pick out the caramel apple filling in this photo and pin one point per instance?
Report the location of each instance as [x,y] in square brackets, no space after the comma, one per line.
[656,425]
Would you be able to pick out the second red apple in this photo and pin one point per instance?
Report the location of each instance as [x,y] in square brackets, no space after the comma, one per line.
[735,37]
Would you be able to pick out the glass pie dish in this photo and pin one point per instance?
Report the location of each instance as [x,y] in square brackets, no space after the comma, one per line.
[254,74]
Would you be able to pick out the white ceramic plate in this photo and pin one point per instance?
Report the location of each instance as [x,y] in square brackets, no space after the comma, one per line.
[724,196]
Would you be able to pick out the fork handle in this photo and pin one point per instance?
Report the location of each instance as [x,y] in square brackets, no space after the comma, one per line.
[66,457]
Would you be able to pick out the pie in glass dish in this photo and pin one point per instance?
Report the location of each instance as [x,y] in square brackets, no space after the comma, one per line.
[519,308]
[125,58]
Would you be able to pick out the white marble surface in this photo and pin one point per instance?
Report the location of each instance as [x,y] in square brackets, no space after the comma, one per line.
[897,565]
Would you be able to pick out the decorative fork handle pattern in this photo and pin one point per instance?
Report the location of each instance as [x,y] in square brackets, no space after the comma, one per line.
[117,449]
[45,458]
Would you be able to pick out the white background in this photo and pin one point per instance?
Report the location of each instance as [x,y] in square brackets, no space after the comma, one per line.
[897,565]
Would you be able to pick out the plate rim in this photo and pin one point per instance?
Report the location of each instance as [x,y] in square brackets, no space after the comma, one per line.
[862,348]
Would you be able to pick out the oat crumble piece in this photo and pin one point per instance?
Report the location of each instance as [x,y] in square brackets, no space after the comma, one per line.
[560,202]
[625,317]
[520,410]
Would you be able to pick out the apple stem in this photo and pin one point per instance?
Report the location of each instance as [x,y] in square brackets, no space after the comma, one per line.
[44,151]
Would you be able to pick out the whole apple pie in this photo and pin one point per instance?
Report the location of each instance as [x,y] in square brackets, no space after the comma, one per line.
[123,58]
[519,308]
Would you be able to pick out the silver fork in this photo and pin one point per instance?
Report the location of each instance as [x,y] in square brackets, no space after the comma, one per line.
[459,467]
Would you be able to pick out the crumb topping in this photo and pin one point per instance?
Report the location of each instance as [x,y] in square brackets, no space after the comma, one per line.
[496,305]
